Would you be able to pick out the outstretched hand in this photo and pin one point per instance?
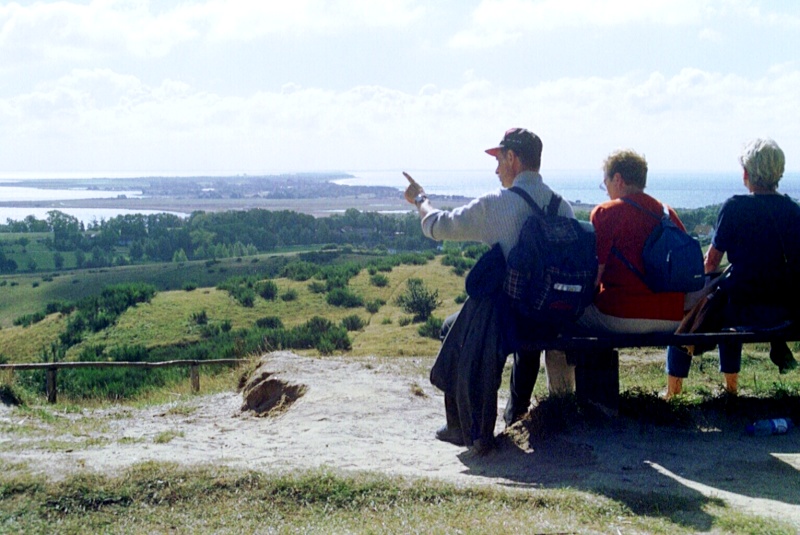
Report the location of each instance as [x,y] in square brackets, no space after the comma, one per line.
[413,188]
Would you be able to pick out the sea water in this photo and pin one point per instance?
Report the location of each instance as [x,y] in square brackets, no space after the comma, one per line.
[86,215]
[678,189]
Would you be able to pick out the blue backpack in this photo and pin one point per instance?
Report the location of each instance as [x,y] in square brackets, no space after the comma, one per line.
[551,271]
[673,260]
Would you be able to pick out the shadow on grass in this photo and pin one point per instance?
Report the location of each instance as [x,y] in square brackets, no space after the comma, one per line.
[661,459]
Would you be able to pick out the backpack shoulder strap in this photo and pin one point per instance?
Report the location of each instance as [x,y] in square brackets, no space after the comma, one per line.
[645,210]
[555,204]
[528,199]
[616,252]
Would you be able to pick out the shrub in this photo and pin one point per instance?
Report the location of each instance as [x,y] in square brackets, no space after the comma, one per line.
[325,347]
[199,318]
[267,289]
[245,296]
[405,320]
[460,264]
[342,297]
[337,336]
[374,305]
[475,251]
[269,322]
[210,331]
[9,395]
[29,319]
[380,280]
[226,326]
[418,300]
[189,286]
[317,287]
[289,295]
[334,282]
[431,328]
[299,270]
[319,324]
[353,323]
[460,298]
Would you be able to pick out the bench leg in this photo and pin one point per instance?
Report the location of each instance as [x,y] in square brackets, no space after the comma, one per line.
[597,380]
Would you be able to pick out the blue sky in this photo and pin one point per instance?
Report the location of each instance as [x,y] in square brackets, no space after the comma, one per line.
[214,87]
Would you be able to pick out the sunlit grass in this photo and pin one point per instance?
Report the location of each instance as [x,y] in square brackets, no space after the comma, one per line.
[154,497]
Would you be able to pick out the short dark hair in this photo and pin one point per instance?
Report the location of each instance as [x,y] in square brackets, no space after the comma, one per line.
[631,166]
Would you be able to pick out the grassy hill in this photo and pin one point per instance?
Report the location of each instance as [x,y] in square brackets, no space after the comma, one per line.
[167,319]
[27,293]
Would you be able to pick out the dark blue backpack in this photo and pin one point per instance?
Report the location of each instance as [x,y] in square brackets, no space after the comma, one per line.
[551,271]
[673,260]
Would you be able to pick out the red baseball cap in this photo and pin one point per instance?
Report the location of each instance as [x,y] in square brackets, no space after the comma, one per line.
[521,141]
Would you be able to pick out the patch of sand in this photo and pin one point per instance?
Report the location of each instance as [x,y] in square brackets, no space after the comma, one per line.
[366,416]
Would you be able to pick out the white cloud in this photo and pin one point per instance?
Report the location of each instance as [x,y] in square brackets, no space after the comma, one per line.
[94,120]
[496,22]
[710,35]
[74,31]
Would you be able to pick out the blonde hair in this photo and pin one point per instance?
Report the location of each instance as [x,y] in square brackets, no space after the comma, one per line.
[764,161]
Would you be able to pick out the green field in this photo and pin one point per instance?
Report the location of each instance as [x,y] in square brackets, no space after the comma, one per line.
[166,320]
[164,497]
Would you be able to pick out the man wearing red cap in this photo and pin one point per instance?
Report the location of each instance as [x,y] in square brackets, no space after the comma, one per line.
[497,218]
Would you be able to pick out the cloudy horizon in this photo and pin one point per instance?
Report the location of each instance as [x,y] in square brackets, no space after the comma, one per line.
[236,87]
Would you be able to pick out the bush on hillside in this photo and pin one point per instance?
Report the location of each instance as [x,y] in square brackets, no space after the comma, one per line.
[431,328]
[380,280]
[267,289]
[269,322]
[374,305]
[418,300]
[343,297]
[353,322]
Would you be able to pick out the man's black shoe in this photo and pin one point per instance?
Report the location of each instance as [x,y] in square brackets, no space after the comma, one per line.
[483,446]
[781,356]
[450,434]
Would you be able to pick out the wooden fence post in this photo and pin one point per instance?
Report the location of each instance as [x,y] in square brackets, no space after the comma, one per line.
[52,385]
[195,375]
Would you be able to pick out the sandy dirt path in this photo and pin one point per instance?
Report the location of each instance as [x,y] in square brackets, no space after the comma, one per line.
[367,416]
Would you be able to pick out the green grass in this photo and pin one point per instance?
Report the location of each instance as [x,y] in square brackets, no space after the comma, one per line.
[150,498]
[20,297]
[167,319]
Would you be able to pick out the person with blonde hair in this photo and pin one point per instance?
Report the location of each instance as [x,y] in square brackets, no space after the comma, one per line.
[760,233]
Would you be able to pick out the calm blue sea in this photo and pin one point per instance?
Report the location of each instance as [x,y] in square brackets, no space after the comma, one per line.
[678,189]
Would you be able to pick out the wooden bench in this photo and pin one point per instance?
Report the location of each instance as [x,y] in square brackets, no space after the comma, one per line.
[597,375]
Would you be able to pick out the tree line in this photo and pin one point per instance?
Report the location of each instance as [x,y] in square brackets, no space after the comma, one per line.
[137,238]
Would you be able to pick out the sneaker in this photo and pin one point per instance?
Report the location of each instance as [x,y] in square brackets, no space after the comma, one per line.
[450,434]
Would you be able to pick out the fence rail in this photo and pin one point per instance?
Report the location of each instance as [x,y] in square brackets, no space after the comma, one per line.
[51,369]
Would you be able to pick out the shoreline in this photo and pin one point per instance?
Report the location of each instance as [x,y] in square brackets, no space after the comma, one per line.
[316,206]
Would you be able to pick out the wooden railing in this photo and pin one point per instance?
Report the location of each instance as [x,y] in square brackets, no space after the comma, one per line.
[51,369]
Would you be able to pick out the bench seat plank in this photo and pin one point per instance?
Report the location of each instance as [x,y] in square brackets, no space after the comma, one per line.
[616,341]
